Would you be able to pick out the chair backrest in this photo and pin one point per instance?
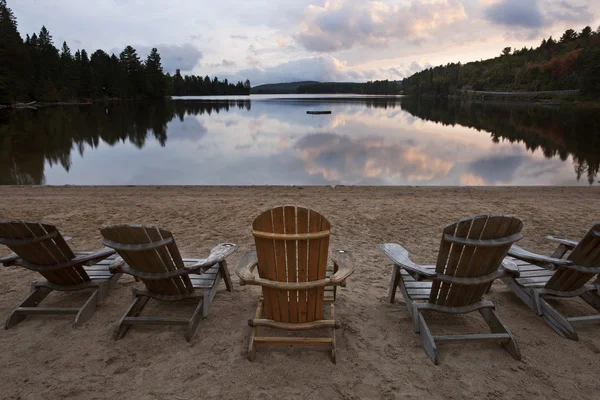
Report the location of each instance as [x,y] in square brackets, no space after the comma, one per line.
[150,250]
[42,244]
[470,248]
[292,245]
[585,254]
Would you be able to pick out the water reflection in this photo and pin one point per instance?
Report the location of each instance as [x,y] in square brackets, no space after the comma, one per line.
[372,141]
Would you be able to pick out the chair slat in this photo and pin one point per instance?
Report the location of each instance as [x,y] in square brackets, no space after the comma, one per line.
[291,259]
[280,263]
[314,225]
[322,268]
[451,260]
[266,260]
[586,254]
[302,227]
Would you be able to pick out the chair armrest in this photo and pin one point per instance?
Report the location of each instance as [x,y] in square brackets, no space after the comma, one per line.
[92,258]
[510,268]
[568,243]
[116,265]
[344,260]
[537,259]
[399,256]
[245,267]
[218,254]
[8,260]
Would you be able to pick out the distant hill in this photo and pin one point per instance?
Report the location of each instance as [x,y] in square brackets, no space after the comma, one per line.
[311,87]
[280,88]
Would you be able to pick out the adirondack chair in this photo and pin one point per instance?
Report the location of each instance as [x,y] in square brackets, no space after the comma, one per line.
[150,254]
[40,247]
[559,277]
[292,245]
[470,258]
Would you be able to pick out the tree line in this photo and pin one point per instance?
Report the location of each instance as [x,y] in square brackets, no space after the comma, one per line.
[197,86]
[571,62]
[34,69]
[385,87]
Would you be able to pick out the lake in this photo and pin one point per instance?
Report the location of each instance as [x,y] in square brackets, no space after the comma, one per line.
[270,140]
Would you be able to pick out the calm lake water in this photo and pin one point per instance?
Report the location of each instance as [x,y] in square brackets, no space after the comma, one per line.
[262,140]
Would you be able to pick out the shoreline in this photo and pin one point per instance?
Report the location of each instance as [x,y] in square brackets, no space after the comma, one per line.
[378,353]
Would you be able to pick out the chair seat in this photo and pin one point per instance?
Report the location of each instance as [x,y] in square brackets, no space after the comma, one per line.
[99,270]
[531,275]
[417,290]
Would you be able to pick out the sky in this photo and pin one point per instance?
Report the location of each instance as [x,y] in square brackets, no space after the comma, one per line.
[269,41]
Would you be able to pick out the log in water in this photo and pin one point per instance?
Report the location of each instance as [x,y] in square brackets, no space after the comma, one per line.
[318,112]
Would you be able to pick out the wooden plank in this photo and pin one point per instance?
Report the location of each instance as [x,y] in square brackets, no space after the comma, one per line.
[539,281]
[460,229]
[585,318]
[170,260]
[322,267]
[314,226]
[46,310]
[302,227]
[266,264]
[291,260]
[61,252]
[280,263]
[508,227]
[291,341]
[156,321]
[484,337]
[462,270]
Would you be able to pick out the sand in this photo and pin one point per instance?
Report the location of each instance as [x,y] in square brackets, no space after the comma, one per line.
[379,355]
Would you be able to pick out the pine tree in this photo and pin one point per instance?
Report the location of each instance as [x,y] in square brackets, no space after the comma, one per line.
[12,57]
[67,91]
[155,79]
[134,71]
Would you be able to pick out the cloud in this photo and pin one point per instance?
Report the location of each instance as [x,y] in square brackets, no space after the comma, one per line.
[224,64]
[240,37]
[495,170]
[524,14]
[184,57]
[530,15]
[341,24]
[371,160]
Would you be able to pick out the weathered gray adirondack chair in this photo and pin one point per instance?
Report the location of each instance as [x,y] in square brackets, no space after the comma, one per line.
[469,260]
[41,248]
[292,245]
[554,276]
[150,254]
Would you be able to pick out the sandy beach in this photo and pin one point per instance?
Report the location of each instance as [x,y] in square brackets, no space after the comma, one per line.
[378,354]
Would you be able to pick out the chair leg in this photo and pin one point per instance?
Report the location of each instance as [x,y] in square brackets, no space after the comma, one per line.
[35,297]
[551,317]
[226,276]
[592,299]
[134,310]
[197,317]
[496,325]
[88,309]
[333,347]
[557,322]
[427,340]
[254,332]
[394,284]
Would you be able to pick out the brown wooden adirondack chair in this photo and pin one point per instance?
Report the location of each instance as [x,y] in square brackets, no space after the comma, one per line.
[469,260]
[150,254]
[292,245]
[558,277]
[41,248]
